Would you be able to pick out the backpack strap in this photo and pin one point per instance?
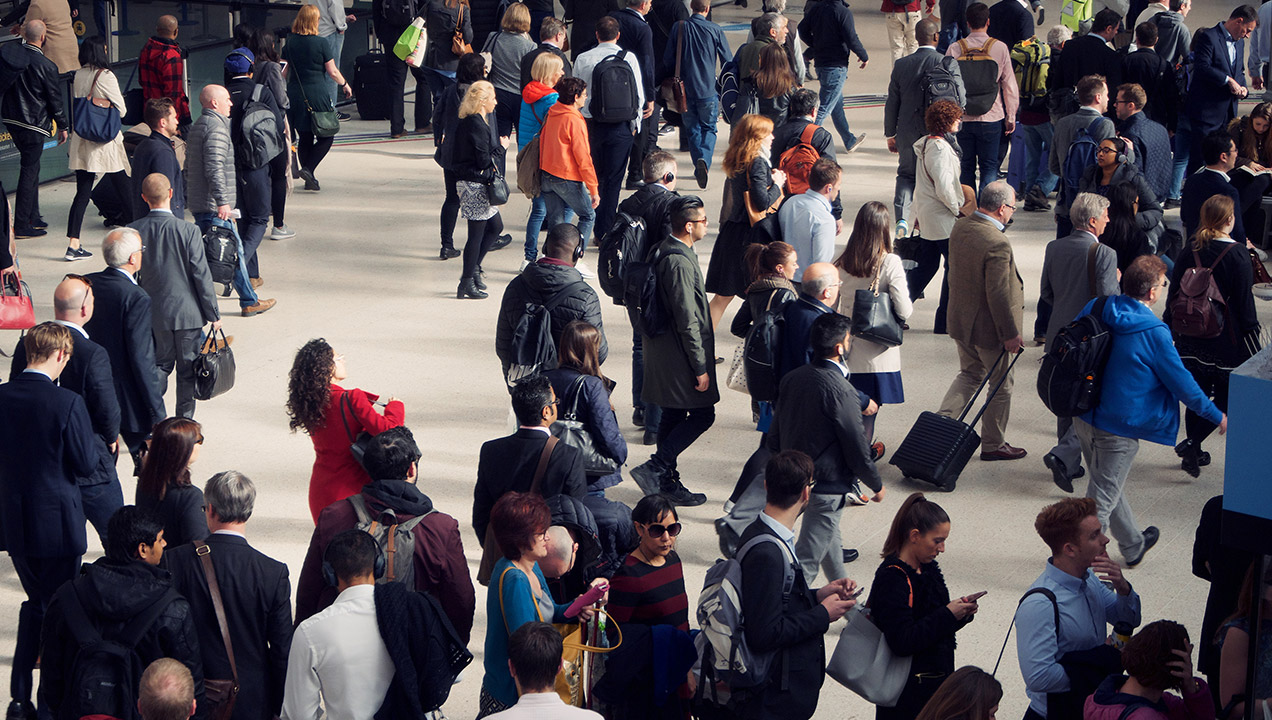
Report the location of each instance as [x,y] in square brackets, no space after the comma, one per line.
[806,137]
[561,295]
[204,551]
[1055,606]
[788,577]
[1091,267]
[77,621]
[360,507]
[1215,264]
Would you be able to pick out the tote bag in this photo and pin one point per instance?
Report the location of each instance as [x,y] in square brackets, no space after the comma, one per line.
[96,120]
[863,662]
[872,316]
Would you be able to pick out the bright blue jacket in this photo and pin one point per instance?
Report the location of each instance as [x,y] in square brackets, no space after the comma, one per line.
[509,605]
[1144,379]
[536,100]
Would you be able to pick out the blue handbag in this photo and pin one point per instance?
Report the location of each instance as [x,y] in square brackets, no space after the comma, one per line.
[93,120]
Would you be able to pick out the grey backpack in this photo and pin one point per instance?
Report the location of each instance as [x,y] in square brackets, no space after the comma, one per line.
[259,132]
[396,541]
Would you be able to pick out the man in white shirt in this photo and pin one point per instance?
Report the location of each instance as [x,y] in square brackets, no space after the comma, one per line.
[534,658]
[806,219]
[338,661]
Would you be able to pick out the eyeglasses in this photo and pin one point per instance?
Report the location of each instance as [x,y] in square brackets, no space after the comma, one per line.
[657,530]
[1104,150]
[1165,282]
[88,287]
[1009,207]
[555,403]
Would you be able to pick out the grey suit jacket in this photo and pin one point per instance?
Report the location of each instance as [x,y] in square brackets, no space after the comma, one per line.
[903,110]
[1065,281]
[175,273]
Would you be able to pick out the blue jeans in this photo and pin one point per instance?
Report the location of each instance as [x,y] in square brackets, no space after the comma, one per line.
[980,141]
[699,123]
[831,101]
[335,42]
[1182,145]
[561,194]
[653,413]
[247,296]
[1037,149]
[538,213]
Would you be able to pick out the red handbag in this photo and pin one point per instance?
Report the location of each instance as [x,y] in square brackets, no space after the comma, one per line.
[16,310]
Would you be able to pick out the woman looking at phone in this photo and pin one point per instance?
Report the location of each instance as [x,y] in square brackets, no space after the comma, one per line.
[911,605]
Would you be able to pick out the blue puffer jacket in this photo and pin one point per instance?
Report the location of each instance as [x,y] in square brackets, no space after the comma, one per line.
[1144,380]
[597,416]
[536,100]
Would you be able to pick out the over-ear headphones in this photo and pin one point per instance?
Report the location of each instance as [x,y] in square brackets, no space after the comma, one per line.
[378,567]
[578,251]
[668,178]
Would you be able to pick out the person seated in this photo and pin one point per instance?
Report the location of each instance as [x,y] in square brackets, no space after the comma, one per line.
[1158,658]
[1252,135]
[1234,654]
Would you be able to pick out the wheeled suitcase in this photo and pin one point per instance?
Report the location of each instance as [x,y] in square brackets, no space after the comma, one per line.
[937,448]
[371,86]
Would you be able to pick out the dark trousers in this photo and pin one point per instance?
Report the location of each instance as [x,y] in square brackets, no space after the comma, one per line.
[507,111]
[254,195]
[645,142]
[84,193]
[611,146]
[100,502]
[278,183]
[450,209]
[1251,190]
[177,349]
[30,145]
[312,149]
[481,235]
[397,86]
[678,429]
[135,441]
[979,141]
[1214,384]
[929,256]
[40,578]
[653,413]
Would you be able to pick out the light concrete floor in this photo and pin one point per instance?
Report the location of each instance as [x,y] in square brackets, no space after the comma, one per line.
[363,272]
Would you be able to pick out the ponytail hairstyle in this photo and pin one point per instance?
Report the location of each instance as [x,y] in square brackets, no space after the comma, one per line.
[1215,213]
[916,513]
[763,259]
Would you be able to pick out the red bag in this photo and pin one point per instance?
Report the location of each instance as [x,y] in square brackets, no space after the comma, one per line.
[16,310]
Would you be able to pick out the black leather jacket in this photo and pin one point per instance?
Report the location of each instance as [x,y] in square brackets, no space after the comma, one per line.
[33,99]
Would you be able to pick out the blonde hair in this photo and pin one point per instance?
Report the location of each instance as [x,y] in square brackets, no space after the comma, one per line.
[516,19]
[479,93]
[306,22]
[745,141]
[1215,213]
[545,66]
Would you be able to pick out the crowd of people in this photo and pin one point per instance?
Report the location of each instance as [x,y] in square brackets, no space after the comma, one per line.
[201,624]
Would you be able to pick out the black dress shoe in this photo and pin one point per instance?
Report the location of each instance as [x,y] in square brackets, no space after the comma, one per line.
[1151,535]
[638,417]
[1059,473]
[449,251]
[20,710]
[850,555]
[728,539]
[501,242]
[634,183]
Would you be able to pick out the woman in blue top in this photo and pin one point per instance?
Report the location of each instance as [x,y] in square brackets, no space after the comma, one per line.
[580,346]
[1144,382]
[537,97]
[518,592]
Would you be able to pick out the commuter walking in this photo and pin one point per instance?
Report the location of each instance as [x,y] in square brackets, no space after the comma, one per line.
[969,693]
[309,64]
[902,19]
[30,108]
[769,90]
[578,383]
[569,180]
[157,153]
[268,71]
[333,21]
[469,69]
[253,183]
[939,199]
[537,98]
[700,44]
[507,48]
[443,20]
[773,267]
[161,69]
[986,124]
[808,220]
[1093,97]
[477,157]
[164,486]
[94,81]
[829,29]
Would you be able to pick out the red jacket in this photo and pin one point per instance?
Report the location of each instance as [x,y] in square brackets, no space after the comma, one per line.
[336,475]
[898,7]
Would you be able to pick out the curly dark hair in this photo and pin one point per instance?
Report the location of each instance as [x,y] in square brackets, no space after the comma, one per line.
[941,116]
[308,386]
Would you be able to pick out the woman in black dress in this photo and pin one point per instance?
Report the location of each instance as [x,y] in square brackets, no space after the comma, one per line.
[747,164]
[911,604]
[476,161]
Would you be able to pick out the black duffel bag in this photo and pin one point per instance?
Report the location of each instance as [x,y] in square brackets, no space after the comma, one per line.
[213,367]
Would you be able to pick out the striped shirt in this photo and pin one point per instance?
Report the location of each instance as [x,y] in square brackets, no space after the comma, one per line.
[650,595]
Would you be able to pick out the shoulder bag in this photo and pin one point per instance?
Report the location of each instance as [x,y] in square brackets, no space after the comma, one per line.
[571,431]
[754,214]
[16,310]
[863,662]
[672,89]
[95,119]
[872,316]
[324,123]
[220,695]
[490,552]
[357,444]
[497,190]
[459,46]
[213,368]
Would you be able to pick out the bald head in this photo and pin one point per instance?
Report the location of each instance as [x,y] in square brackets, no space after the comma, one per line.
[33,32]
[166,691]
[215,97]
[156,191]
[560,552]
[122,249]
[926,32]
[72,301]
[167,26]
[821,281]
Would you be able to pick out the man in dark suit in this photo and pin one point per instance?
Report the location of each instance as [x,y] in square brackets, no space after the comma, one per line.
[509,463]
[818,294]
[818,413]
[1218,80]
[793,622]
[1156,76]
[551,38]
[157,154]
[46,442]
[180,286]
[635,37]
[1091,54]
[255,594]
[88,375]
[1010,22]
[1219,154]
[903,110]
[583,15]
[121,324]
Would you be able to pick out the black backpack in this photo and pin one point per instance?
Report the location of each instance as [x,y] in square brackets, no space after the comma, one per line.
[613,90]
[221,252]
[533,349]
[106,671]
[761,349]
[640,294]
[980,77]
[436,661]
[943,81]
[259,134]
[1071,372]
[399,12]
[618,247]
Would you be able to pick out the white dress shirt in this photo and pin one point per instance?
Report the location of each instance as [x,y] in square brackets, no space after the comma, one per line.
[587,62]
[808,225]
[338,661]
[543,706]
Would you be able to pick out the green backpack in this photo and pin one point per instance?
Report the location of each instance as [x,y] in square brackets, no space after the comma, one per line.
[1031,60]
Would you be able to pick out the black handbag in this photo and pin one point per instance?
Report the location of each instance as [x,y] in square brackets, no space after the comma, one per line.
[570,430]
[357,445]
[872,315]
[213,368]
[498,190]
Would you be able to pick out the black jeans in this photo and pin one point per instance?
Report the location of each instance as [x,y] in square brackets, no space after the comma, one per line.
[611,146]
[40,578]
[83,193]
[254,201]
[450,209]
[645,142]
[929,255]
[278,182]
[1214,385]
[507,111]
[481,235]
[30,145]
[397,86]
[679,429]
[313,149]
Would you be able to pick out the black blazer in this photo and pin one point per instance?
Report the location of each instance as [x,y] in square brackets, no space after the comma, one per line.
[46,442]
[793,626]
[181,511]
[121,324]
[818,412]
[473,148]
[1147,69]
[1087,55]
[87,374]
[635,37]
[1010,22]
[508,464]
[1198,188]
[527,62]
[1209,101]
[257,598]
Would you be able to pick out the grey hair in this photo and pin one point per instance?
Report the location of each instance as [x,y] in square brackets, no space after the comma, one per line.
[231,495]
[774,6]
[562,543]
[1085,208]
[636,3]
[817,284]
[995,195]
[1059,35]
[119,245]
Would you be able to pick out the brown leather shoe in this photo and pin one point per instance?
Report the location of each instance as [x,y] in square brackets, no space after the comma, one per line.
[222,344]
[256,282]
[1004,452]
[260,307]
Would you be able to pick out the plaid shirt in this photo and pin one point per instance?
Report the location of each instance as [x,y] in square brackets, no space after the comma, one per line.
[161,74]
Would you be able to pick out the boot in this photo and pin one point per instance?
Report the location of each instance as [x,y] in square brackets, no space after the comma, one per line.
[449,251]
[479,278]
[467,289]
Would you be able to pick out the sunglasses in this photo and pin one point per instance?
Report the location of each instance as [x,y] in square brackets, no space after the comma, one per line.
[657,530]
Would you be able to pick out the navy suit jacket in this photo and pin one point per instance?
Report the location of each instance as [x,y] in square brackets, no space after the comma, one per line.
[87,374]
[1010,22]
[46,442]
[121,324]
[1210,101]
[1198,188]
[635,36]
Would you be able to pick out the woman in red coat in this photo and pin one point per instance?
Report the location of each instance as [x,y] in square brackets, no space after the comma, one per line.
[333,417]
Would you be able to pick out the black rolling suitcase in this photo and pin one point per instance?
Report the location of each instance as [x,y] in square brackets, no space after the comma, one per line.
[937,448]
[371,86]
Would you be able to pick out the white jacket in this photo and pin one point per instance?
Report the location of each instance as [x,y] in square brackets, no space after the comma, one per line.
[938,195]
[865,356]
[96,157]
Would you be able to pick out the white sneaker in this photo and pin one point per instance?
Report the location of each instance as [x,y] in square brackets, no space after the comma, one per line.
[584,270]
[524,264]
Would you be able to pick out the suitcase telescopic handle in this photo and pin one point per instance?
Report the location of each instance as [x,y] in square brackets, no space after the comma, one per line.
[993,392]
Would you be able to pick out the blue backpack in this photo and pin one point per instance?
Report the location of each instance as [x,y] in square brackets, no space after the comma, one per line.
[727,86]
[1081,155]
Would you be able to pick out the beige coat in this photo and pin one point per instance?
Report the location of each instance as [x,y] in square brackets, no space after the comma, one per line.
[88,155]
[987,296]
[60,45]
[865,356]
